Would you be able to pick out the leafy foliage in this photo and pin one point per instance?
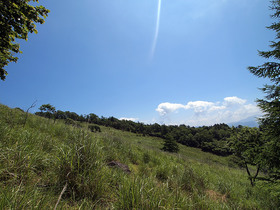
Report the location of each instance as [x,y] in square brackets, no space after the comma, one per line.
[270,105]
[47,110]
[248,146]
[17,19]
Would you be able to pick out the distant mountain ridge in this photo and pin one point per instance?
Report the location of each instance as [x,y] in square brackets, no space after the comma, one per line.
[250,122]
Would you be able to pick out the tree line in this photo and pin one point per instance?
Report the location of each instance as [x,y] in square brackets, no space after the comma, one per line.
[212,139]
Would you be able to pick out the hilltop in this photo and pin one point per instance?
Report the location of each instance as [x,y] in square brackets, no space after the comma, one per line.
[47,164]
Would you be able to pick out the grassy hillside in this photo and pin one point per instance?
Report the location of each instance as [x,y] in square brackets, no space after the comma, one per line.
[44,164]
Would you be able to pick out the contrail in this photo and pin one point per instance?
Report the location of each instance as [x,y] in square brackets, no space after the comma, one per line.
[157,29]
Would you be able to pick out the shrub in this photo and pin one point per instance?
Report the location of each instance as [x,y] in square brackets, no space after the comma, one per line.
[94,128]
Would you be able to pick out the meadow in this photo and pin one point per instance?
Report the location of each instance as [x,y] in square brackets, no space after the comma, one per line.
[52,165]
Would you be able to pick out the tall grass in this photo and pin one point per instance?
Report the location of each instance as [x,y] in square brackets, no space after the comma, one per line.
[45,163]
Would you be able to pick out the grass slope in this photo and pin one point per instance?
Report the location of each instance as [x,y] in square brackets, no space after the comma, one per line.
[43,163]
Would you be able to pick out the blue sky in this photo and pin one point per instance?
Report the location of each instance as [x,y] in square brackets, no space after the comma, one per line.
[96,56]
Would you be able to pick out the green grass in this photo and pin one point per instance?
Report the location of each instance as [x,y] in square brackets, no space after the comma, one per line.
[39,159]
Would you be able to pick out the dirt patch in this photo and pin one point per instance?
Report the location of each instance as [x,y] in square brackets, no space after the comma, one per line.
[216,196]
[117,164]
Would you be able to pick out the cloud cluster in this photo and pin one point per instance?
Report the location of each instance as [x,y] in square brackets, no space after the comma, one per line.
[231,109]
[129,119]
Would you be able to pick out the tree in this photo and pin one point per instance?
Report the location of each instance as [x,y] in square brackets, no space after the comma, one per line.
[92,118]
[170,144]
[17,20]
[60,115]
[47,110]
[270,105]
[248,146]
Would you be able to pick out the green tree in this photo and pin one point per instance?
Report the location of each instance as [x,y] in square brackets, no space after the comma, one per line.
[17,20]
[270,105]
[47,110]
[248,146]
[170,144]
[92,118]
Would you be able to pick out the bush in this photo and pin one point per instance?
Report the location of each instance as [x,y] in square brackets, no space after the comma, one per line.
[94,128]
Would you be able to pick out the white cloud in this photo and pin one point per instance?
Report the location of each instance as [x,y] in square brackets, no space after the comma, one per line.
[165,108]
[231,109]
[216,108]
[234,100]
[199,106]
[129,119]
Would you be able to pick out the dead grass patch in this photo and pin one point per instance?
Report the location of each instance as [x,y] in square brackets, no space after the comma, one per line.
[216,196]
